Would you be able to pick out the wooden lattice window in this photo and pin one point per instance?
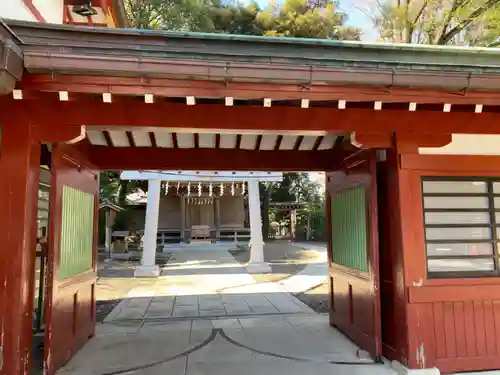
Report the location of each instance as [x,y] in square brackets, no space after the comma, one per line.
[349,228]
[77,232]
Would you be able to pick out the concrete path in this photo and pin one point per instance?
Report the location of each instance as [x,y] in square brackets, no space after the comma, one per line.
[191,321]
[280,345]
[312,275]
[205,284]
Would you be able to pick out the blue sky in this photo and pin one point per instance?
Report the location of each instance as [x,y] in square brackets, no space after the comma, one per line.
[356,17]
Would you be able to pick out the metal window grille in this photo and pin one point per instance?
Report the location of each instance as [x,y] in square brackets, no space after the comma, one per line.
[462,226]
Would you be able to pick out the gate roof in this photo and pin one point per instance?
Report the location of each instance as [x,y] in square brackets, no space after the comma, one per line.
[160,100]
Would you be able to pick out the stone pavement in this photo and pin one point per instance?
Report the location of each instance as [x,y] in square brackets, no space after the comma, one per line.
[203,316]
[202,284]
[276,345]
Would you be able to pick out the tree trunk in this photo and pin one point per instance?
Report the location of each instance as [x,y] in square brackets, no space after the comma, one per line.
[122,193]
[266,200]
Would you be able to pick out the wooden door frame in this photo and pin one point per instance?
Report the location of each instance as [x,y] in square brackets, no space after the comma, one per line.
[371,275]
[64,159]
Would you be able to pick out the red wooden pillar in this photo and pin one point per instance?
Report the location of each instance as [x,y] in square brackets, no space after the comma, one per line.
[19,168]
[408,251]
[328,223]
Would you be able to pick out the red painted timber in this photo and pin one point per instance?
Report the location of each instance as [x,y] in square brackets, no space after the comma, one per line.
[244,90]
[122,158]
[454,321]
[19,168]
[70,302]
[136,113]
[34,10]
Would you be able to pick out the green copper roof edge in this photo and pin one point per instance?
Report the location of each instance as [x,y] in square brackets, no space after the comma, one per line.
[342,55]
[257,39]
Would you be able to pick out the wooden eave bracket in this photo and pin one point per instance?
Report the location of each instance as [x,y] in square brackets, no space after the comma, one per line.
[11,60]
[69,134]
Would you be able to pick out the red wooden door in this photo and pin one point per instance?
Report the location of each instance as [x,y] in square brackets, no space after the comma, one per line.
[353,251]
[71,269]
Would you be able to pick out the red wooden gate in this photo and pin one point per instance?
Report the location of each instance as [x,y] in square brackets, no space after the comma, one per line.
[353,251]
[71,270]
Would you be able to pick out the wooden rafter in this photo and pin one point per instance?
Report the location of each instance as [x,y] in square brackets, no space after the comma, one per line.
[108,139]
[175,141]
[318,142]
[152,139]
[258,141]
[130,138]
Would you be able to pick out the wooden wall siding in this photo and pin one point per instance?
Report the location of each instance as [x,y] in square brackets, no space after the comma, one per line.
[169,216]
[349,237]
[200,214]
[453,322]
[77,232]
[232,211]
[461,336]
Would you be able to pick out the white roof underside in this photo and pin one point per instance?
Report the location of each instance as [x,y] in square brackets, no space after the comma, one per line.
[170,138]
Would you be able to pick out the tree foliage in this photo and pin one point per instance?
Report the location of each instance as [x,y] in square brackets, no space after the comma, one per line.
[193,15]
[293,18]
[297,18]
[179,15]
[440,22]
[295,187]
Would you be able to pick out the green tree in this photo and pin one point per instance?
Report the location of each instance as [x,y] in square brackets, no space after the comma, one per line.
[452,22]
[297,18]
[194,15]
[235,18]
[295,187]
[112,188]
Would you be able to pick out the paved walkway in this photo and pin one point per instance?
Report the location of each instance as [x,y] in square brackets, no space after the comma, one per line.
[312,275]
[204,316]
[203,284]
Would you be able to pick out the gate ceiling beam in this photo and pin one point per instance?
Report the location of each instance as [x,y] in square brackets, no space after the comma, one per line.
[135,113]
[118,158]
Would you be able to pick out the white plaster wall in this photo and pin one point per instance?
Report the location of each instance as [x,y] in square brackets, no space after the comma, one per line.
[467,144]
[51,10]
[15,9]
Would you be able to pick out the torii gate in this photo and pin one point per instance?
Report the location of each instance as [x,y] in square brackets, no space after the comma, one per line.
[148,267]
